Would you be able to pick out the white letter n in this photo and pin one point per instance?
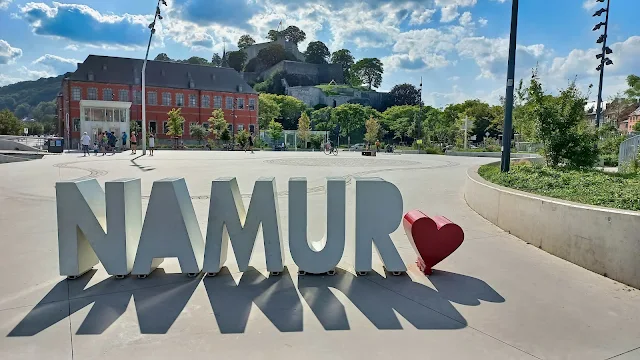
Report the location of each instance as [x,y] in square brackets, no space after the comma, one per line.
[84,218]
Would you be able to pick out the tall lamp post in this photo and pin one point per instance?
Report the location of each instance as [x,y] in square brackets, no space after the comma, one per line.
[152,26]
[505,163]
[604,60]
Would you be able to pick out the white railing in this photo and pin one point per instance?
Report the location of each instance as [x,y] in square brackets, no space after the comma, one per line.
[628,151]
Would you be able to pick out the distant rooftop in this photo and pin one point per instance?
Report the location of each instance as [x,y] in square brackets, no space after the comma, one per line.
[118,70]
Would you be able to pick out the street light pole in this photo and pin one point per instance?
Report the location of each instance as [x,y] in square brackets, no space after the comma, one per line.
[152,26]
[508,106]
[603,59]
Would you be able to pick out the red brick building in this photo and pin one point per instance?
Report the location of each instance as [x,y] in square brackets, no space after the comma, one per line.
[104,94]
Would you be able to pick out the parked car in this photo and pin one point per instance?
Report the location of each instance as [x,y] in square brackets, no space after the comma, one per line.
[357,147]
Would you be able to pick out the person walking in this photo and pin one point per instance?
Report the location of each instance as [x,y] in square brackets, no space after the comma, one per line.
[124,141]
[112,142]
[152,144]
[104,142]
[86,141]
[251,143]
[134,143]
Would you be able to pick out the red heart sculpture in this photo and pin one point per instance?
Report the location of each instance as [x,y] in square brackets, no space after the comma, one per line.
[433,239]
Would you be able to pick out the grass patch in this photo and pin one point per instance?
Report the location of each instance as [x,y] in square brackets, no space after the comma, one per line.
[337,89]
[593,187]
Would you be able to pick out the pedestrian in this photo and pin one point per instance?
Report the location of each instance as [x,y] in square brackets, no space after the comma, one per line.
[112,142]
[124,141]
[86,140]
[251,143]
[104,143]
[152,143]
[377,145]
[96,148]
[134,143]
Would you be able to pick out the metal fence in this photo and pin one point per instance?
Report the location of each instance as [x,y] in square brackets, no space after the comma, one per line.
[628,151]
[35,142]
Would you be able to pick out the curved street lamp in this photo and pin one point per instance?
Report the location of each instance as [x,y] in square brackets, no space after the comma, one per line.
[604,60]
[152,27]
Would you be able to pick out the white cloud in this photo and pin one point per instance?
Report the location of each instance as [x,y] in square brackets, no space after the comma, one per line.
[421,17]
[589,4]
[4,4]
[8,53]
[449,13]
[491,54]
[72,47]
[466,19]
[57,64]
[483,22]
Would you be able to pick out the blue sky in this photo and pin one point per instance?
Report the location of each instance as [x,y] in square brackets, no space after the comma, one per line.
[459,47]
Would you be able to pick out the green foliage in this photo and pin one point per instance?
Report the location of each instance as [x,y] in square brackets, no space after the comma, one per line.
[304,126]
[275,130]
[350,117]
[268,57]
[30,93]
[317,53]
[217,123]
[22,111]
[610,140]
[344,58]
[405,94]
[9,124]
[636,127]
[225,135]
[373,130]
[236,59]
[175,123]
[163,57]
[243,138]
[245,41]
[268,110]
[134,127]
[368,71]
[198,132]
[216,60]
[633,92]
[290,108]
[561,126]
[273,35]
[321,119]
[294,34]
[585,186]
[196,60]
[319,106]
[316,141]
[35,128]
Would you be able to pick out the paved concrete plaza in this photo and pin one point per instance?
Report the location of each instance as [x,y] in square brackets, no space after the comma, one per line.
[495,298]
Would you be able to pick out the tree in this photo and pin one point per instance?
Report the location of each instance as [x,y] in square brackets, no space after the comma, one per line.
[134,127]
[405,94]
[275,130]
[373,129]
[317,53]
[633,92]
[243,138]
[304,125]
[273,35]
[636,127]
[290,108]
[350,117]
[245,41]
[268,110]
[35,128]
[271,55]
[162,57]
[225,136]
[618,109]
[22,111]
[9,123]
[198,132]
[196,60]
[561,125]
[175,123]
[216,60]
[344,58]
[293,34]
[369,71]
[322,120]
[236,59]
[217,124]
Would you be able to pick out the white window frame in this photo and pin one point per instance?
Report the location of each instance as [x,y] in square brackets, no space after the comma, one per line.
[193,100]
[178,97]
[217,100]
[94,91]
[76,93]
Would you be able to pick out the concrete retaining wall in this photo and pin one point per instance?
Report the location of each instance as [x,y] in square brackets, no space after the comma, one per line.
[603,240]
[14,145]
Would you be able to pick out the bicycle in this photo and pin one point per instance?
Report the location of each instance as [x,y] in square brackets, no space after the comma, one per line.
[329,149]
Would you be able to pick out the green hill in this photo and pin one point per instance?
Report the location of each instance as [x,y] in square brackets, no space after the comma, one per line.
[22,98]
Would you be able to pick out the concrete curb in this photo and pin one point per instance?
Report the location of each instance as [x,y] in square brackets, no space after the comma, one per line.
[603,240]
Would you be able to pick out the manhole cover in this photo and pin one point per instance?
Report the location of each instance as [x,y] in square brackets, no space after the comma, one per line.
[333,161]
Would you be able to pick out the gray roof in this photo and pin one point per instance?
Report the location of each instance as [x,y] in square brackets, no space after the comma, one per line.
[117,70]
